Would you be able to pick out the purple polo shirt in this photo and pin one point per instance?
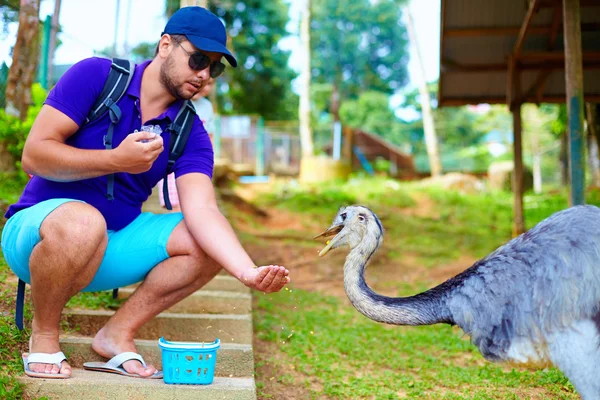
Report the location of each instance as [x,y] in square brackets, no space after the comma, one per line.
[74,95]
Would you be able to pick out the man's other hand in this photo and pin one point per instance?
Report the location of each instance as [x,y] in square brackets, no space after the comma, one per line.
[138,151]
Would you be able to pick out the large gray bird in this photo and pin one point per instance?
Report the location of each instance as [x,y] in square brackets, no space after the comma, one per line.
[534,301]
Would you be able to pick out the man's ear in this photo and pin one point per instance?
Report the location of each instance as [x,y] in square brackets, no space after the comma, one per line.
[165,46]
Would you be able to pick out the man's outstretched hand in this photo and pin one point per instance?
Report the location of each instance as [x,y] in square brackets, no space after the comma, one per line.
[268,279]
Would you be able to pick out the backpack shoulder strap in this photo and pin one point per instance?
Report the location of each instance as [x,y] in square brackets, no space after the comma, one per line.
[119,77]
[179,131]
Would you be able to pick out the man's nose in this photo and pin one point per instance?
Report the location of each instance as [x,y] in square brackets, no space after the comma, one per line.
[204,74]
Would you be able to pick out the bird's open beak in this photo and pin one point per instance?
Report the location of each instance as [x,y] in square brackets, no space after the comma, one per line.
[332,231]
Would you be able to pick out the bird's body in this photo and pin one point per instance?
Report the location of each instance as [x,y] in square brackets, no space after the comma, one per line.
[534,301]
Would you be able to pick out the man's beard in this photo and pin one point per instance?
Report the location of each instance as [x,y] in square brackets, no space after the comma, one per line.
[169,84]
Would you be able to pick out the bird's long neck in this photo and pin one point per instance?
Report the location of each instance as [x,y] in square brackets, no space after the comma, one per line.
[423,309]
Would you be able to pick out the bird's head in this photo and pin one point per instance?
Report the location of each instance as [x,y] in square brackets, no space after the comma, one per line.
[351,226]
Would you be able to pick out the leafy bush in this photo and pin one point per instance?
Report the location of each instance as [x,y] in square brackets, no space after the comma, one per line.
[327,197]
[13,131]
[311,199]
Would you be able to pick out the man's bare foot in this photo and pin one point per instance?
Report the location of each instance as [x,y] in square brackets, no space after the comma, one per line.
[108,346]
[47,343]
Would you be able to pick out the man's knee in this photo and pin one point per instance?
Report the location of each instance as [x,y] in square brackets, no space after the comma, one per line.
[182,243]
[74,223]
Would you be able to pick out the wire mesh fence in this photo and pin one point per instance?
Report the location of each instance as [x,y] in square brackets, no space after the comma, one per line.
[249,141]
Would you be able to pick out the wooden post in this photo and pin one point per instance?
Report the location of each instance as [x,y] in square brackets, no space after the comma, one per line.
[260,147]
[431,140]
[347,144]
[304,111]
[574,85]
[514,101]
[517,176]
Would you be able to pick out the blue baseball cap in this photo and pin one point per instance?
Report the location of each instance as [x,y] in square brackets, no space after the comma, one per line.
[202,28]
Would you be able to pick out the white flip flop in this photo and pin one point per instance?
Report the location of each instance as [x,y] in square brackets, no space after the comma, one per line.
[114,365]
[44,358]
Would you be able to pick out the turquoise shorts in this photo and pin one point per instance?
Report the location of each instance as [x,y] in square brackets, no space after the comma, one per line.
[131,253]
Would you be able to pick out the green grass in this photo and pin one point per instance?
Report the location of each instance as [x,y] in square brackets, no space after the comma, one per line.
[354,357]
[325,199]
[11,339]
[95,301]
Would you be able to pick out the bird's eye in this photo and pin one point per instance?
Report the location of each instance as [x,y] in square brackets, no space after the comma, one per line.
[361,218]
[343,216]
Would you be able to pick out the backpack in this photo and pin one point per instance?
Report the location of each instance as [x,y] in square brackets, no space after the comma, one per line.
[115,86]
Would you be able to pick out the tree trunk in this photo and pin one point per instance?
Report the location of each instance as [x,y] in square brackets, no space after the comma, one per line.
[534,141]
[306,134]
[593,141]
[564,159]
[575,105]
[25,60]
[52,44]
[431,141]
[335,102]
[189,3]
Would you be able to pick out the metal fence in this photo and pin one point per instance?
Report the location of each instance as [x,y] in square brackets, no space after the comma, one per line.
[262,147]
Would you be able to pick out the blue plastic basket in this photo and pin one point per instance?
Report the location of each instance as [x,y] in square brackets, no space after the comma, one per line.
[188,363]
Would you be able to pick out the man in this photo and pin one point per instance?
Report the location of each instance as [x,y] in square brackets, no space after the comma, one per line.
[64,235]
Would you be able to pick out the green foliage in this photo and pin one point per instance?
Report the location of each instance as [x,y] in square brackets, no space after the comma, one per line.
[261,84]
[13,131]
[455,126]
[558,125]
[11,340]
[359,45]
[9,13]
[3,81]
[143,51]
[316,199]
[474,158]
[326,198]
[171,6]
[462,133]
[11,186]
[371,113]
[382,165]
[255,28]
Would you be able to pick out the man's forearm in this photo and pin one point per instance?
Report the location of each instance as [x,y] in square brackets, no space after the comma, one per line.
[215,236]
[60,162]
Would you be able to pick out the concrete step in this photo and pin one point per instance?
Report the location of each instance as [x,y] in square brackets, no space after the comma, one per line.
[230,328]
[207,302]
[233,359]
[92,385]
[224,282]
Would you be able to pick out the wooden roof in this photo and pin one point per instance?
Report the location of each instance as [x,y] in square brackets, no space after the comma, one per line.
[481,40]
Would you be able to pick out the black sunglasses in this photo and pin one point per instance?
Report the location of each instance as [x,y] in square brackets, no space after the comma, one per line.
[199,61]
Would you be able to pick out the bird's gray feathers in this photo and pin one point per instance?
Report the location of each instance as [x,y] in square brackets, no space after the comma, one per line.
[536,284]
